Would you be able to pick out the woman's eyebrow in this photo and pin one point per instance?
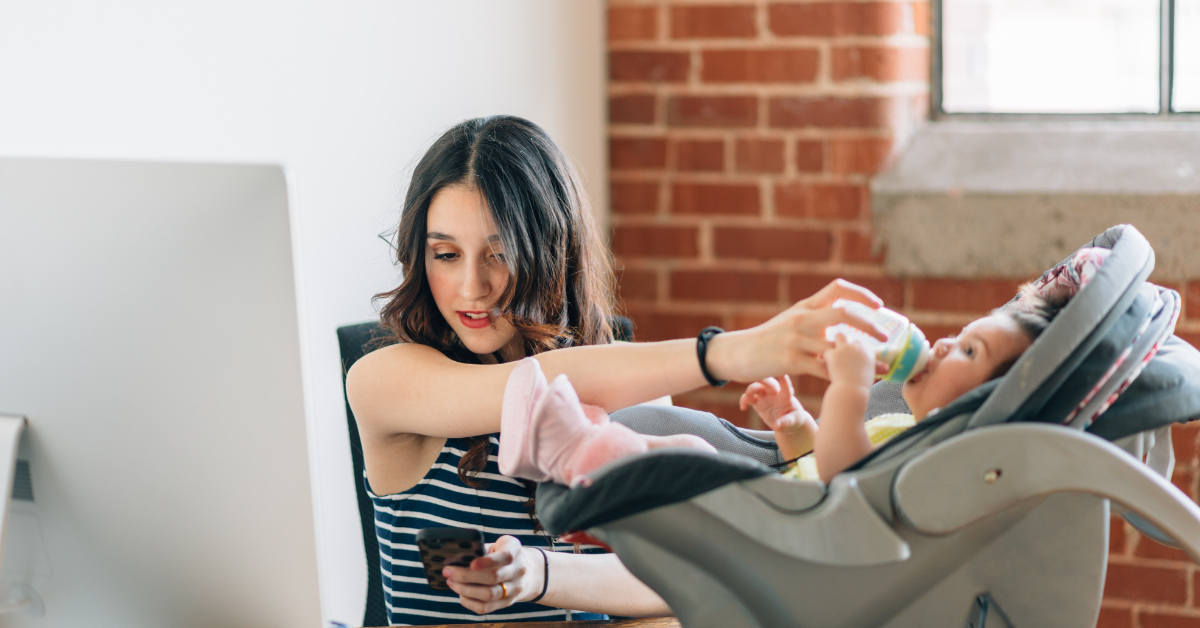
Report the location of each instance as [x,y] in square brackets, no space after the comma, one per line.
[438,235]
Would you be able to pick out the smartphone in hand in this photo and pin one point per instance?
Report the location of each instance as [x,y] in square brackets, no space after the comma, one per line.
[439,547]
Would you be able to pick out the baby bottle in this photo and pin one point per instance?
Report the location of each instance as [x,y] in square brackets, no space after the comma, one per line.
[906,350]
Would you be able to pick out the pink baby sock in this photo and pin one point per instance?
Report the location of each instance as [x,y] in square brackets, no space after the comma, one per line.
[525,388]
[574,440]
[546,433]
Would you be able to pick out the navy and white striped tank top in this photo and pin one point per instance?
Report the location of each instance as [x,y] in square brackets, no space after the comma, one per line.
[441,499]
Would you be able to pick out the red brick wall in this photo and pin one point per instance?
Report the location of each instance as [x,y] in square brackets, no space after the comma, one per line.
[742,139]
[743,135]
[1150,585]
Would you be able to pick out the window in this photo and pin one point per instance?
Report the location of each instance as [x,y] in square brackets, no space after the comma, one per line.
[1139,57]
[1185,92]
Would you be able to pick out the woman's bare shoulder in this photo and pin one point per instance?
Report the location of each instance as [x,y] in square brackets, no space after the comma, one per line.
[385,361]
[413,389]
[381,379]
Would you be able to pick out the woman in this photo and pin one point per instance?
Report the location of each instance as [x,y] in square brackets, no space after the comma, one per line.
[501,262]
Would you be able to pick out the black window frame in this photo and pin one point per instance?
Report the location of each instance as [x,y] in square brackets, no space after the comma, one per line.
[1166,77]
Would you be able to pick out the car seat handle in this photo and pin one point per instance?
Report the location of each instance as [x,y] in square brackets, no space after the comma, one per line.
[984,471]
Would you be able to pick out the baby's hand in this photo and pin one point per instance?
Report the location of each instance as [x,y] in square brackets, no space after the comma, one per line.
[776,404]
[850,362]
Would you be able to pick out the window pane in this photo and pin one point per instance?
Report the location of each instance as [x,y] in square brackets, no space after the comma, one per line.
[1185,91]
[1050,56]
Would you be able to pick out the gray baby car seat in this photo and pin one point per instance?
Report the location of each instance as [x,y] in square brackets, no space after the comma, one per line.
[991,512]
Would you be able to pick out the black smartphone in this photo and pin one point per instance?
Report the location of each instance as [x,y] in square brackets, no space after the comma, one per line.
[439,547]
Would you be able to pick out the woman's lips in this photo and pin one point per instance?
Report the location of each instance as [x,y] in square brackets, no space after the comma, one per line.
[474,323]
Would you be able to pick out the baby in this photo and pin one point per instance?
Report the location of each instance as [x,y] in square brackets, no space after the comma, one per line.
[984,350]
[546,433]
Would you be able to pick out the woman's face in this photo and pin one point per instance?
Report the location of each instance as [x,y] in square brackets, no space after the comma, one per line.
[963,362]
[464,264]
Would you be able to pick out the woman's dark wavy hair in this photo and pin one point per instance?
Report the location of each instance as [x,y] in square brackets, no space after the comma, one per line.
[560,278]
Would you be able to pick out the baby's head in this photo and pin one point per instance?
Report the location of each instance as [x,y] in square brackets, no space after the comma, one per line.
[984,350]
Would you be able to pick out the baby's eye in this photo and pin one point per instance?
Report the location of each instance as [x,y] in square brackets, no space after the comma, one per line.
[969,351]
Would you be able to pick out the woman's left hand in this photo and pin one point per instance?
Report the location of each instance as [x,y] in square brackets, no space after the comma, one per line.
[794,340]
[504,576]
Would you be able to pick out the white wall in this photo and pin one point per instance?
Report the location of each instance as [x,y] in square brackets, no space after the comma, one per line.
[346,95]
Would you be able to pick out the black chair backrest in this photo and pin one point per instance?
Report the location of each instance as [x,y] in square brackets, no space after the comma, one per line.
[356,341]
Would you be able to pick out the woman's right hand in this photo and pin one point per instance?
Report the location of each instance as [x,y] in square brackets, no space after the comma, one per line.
[794,340]
[507,574]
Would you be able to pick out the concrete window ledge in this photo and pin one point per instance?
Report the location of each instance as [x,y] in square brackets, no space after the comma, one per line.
[1010,199]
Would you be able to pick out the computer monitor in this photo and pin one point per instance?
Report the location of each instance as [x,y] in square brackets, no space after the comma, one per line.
[148,332]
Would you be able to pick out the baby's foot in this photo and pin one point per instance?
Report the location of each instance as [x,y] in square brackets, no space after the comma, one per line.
[604,444]
[525,388]
[546,433]
[570,440]
[615,441]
